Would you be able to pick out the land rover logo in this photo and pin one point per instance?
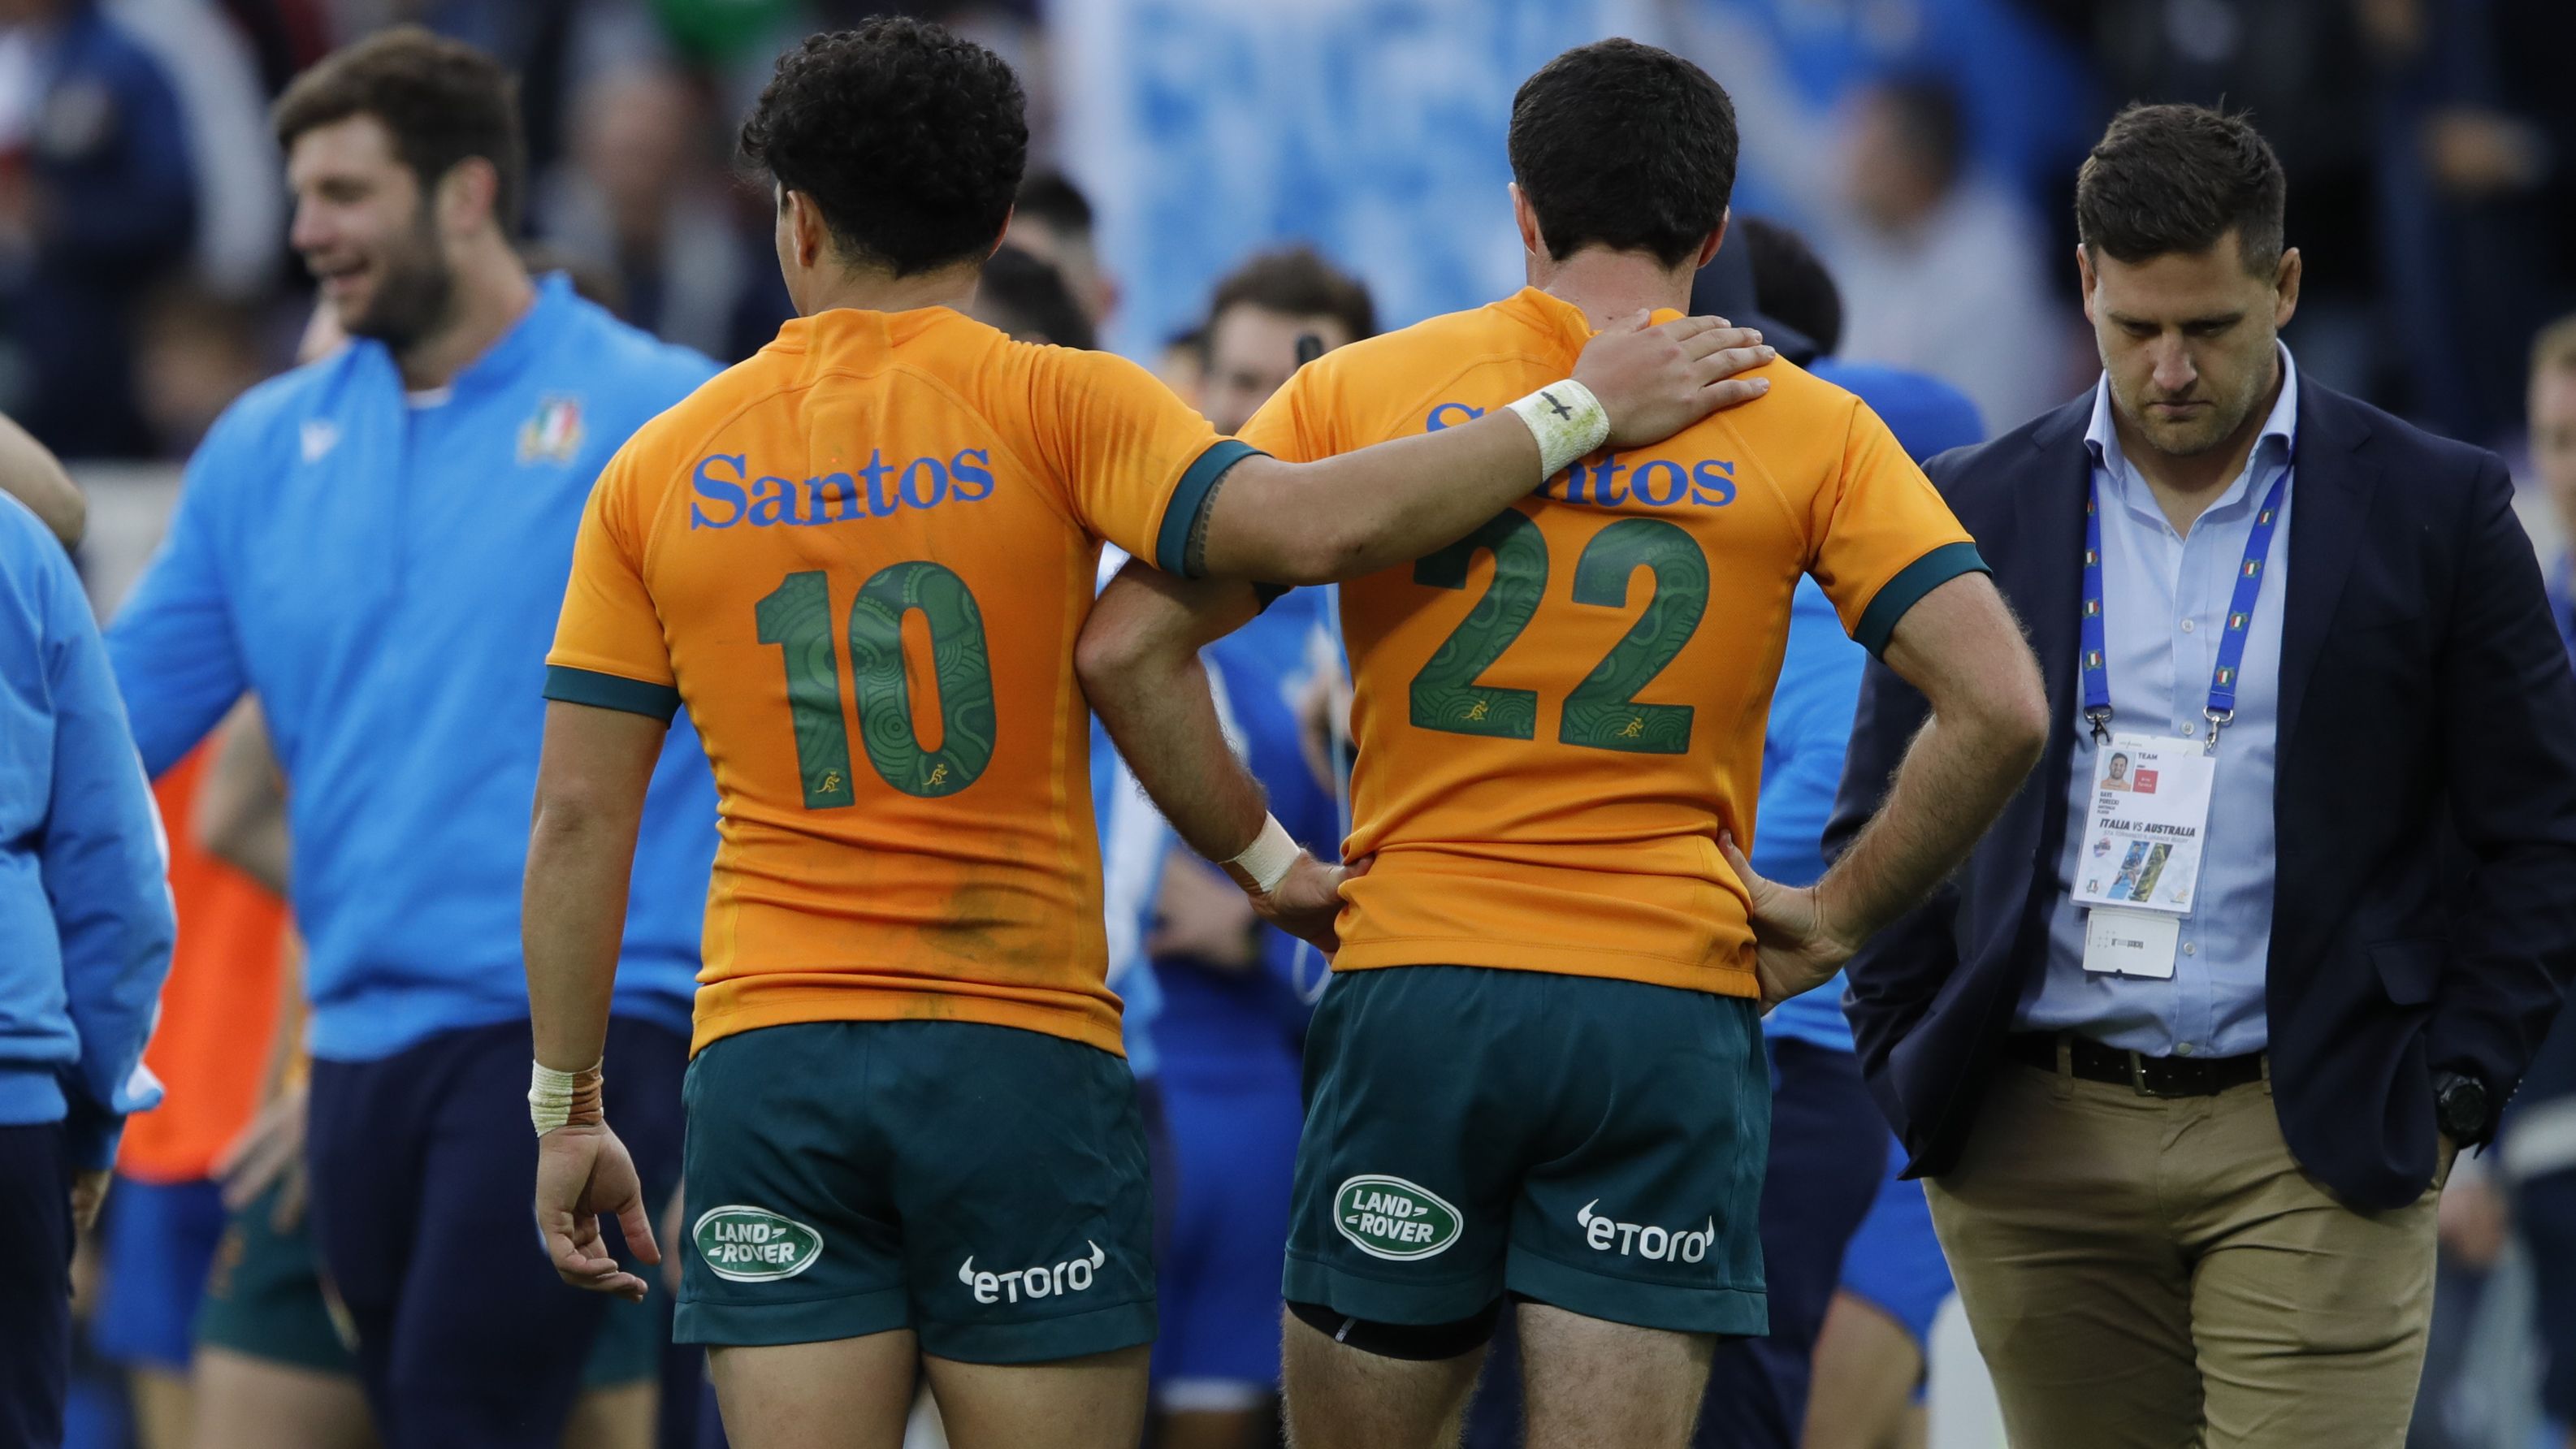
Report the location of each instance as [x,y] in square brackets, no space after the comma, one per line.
[1388,1217]
[754,1245]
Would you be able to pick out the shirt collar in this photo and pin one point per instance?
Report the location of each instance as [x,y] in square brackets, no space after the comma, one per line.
[2274,446]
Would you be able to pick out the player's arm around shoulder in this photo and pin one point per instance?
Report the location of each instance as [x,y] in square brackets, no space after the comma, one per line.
[1345,516]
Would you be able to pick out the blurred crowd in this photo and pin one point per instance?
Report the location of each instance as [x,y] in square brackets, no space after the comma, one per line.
[1927,145]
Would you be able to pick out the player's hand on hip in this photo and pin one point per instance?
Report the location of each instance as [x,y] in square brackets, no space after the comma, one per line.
[583,1172]
[1656,381]
[1307,902]
[1795,948]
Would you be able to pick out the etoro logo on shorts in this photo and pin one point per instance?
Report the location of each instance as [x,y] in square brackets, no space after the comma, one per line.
[1644,1240]
[1074,1275]
[1388,1217]
[754,1245]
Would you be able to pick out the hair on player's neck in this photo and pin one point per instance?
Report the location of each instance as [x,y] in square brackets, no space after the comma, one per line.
[1609,285]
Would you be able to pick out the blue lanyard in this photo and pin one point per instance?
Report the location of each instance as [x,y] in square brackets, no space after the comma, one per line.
[2231,640]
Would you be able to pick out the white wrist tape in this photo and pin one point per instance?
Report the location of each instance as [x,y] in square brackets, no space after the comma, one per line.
[1568,422]
[551,1094]
[1264,863]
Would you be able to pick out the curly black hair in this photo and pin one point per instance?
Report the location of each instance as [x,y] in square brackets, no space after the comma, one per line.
[909,140]
[1621,145]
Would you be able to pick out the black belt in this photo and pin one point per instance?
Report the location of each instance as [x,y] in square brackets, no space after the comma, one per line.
[2151,1076]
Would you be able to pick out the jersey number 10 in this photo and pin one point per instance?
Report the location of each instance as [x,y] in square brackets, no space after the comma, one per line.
[1602,713]
[797,616]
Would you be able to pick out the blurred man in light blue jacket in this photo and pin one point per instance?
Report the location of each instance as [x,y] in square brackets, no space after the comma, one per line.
[85,934]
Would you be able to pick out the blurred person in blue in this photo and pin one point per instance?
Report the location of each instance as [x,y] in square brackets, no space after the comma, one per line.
[376,544]
[1830,1221]
[97,201]
[86,931]
[1230,1034]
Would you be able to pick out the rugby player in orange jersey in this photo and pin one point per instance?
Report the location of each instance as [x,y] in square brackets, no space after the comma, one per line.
[861,560]
[1539,1073]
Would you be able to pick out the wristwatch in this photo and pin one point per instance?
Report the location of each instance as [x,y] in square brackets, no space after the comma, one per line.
[2460,1106]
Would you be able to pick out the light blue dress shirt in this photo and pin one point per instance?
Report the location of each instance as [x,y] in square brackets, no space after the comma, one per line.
[2165,597]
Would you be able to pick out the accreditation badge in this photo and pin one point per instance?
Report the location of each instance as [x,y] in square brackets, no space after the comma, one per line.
[2142,845]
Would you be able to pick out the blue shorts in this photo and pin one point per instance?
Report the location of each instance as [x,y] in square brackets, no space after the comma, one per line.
[1895,1262]
[161,1241]
[1236,1144]
[35,1283]
[423,1172]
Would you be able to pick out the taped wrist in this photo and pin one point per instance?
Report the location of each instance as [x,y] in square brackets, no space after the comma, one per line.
[563,1099]
[1262,865]
[1568,421]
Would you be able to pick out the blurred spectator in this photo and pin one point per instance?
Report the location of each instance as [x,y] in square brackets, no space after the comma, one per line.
[97,201]
[2477,218]
[241,208]
[1028,299]
[1257,319]
[2553,454]
[1941,268]
[195,352]
[2299,69]
[1053,223]
[644,197]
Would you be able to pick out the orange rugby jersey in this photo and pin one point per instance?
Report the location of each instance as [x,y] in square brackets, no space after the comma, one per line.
[1556,716]
[860,559]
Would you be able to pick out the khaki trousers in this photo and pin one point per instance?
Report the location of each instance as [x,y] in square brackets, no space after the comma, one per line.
[2158,1273]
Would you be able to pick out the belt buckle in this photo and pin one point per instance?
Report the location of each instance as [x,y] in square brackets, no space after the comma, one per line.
[2138,1075]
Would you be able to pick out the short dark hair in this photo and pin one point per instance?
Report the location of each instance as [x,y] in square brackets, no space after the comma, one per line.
[1621,145]
[908,139]
[2177,178]
[1295,282]
[1049,197]
[442,101]
[1031,293]
[1790,282]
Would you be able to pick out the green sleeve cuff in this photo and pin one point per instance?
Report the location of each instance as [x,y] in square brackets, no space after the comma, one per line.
[1907,589]
[611,691]
[1190,498]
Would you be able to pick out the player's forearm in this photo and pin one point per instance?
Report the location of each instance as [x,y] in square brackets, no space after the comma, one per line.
[1952,783]
[1351,515]
[572,919]
[1961,648]
[1139,663]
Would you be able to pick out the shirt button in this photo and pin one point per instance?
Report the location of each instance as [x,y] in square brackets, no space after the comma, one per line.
[2186,626]
[2191,948]
[2183,1050]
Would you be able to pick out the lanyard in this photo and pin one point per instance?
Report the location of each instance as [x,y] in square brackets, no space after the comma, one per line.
[2231,640]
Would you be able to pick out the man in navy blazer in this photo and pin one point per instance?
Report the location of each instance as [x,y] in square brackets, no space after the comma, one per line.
[2184,1160]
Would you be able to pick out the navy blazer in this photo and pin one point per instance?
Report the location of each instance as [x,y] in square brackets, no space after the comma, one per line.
[2424,915]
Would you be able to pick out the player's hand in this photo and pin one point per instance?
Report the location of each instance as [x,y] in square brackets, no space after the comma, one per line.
[1656,381]
[1796,948]
[89,1194]
[1308,901]
[581,1173]
[269,1151]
